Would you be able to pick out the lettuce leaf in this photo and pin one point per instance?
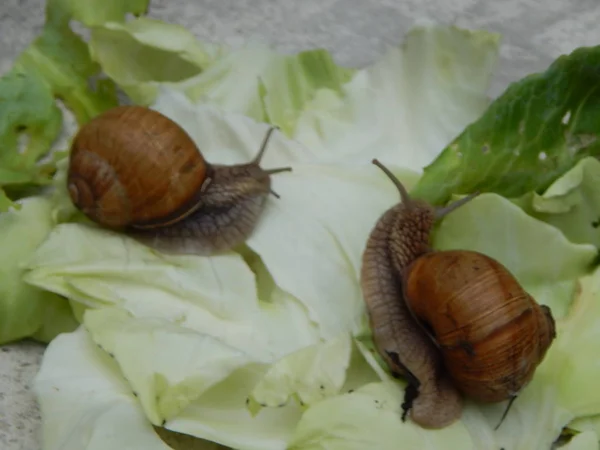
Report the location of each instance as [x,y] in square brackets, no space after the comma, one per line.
[143,53]
[575,372]
[86,405]
[527,138]
[587,440]
[100,269]
[587,425]
[24,309]
[409,105]
[571,203]
[143,348]
[311,373]
[131,364]
[276,87]
[204,394]
[370,418]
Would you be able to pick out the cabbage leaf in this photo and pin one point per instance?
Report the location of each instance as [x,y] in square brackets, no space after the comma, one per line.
[571,203]
[407,106]
[86,404]
[144,55]
[527,138]
[26,310]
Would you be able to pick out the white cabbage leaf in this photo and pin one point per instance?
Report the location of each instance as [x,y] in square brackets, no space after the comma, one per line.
[409,105]
[85,404]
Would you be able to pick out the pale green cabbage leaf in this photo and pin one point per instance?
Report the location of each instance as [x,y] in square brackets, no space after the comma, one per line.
[254,79]
[314,373]
[207,393]
[144,53]
[86,404]
[587,440]
[407,106]
[26,310]
[571,203]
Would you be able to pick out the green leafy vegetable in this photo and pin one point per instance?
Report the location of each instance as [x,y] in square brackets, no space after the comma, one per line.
[24,309]
[571,203]
[275,88]
[142,54]
[369,418]
[528,137]
[588,440]
[588,426]
[573,356]
[164,382]
[311,373]
[86,404]
[405,108]
[62,58]
[98,12]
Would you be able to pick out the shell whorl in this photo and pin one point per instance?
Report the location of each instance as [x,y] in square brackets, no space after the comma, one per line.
[96,190]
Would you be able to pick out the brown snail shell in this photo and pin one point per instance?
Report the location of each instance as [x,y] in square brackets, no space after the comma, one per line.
[491,332]
[133,169]
[134,166]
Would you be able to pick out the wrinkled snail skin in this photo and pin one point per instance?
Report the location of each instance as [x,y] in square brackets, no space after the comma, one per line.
[227,214]
[454,323]
[134,170]
[431,399]
[492,333]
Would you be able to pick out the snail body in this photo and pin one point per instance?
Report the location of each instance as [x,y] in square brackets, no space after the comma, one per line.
[133,169]
[454,323]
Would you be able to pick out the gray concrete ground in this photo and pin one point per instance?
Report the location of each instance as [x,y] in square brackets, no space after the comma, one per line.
[357,32]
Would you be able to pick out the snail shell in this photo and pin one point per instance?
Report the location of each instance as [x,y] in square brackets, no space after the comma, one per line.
[135,170]
[132,166]
[491,332]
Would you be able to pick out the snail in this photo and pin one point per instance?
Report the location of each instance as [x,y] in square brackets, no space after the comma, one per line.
[455,324]
[133,169]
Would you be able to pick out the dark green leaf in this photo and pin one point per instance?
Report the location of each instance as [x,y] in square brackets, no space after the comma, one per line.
[528,137]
